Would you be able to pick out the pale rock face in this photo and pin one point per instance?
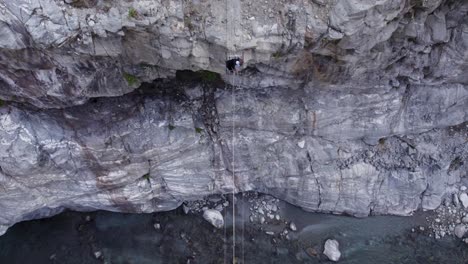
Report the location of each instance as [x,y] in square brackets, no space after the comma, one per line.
[332,250]
[366,115]
[61,54]
[214,217]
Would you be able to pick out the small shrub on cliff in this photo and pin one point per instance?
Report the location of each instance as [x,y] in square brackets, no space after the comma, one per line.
[188,23]
[382,141]
[209,76]
[2,103]
[198,130]
[277,55]
[131,79]
[146,177]
[132,13]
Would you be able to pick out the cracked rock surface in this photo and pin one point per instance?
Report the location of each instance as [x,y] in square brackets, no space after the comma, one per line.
[356,107]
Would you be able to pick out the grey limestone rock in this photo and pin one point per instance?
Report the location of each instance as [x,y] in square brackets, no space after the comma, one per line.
[355,107]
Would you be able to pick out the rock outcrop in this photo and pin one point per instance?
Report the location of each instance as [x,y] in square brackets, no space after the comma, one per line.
[57,53]
[356,107]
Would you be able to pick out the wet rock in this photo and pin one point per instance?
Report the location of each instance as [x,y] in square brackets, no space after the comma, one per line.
[97,254]
[292,226]
[214,217]
[185,208]
[331,250]
[311,252]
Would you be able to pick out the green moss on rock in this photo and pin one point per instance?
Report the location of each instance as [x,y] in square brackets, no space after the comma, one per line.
[132,80]
[209,76]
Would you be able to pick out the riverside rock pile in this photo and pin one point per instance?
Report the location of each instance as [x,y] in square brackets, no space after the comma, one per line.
[451,218]
[264,209]
[217,202]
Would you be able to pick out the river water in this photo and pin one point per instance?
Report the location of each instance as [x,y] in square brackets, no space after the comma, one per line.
[105,237]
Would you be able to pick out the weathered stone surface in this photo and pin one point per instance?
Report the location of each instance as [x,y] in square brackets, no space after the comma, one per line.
[356,107]
[150,152]
[332,250]
[214,217]
[55,53]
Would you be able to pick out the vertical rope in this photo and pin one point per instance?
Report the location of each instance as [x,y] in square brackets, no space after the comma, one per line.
[230,42]
[233,176]
[231,38]
[225,88]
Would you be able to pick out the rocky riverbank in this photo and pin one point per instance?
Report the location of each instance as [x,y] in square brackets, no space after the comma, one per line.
[182,236]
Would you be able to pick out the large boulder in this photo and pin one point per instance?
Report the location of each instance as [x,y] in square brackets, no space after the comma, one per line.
[214,217]
[331,250]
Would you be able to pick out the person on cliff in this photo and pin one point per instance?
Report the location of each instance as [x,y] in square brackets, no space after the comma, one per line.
[234,65]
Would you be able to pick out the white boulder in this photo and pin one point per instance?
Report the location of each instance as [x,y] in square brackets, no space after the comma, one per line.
[292,226]
[332,250]
[214,217]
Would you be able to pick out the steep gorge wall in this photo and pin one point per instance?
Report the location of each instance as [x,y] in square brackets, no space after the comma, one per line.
[345,106]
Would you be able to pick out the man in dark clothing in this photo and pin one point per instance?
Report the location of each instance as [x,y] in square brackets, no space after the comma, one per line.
[233,65]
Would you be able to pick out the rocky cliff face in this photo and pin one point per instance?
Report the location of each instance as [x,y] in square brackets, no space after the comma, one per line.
[344,106]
